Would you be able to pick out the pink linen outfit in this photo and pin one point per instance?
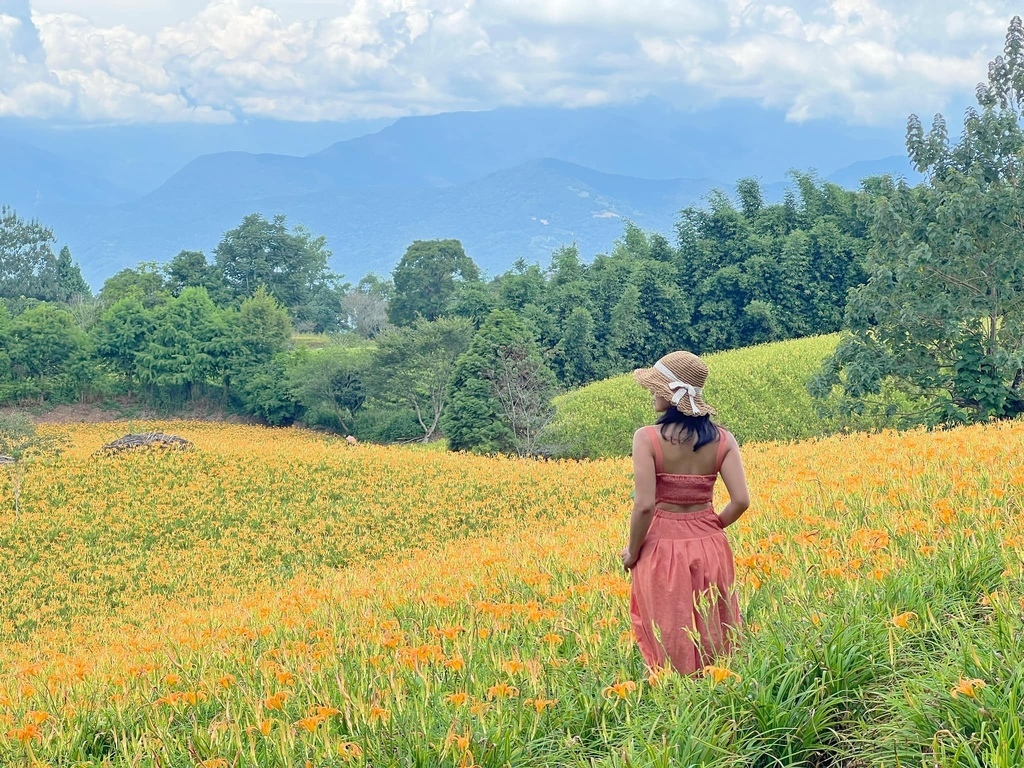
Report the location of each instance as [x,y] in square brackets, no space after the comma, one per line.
[683,602]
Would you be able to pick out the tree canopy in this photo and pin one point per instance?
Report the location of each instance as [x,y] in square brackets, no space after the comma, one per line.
[941,315]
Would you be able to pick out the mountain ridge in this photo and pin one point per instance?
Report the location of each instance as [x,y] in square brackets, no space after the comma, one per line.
[509,183]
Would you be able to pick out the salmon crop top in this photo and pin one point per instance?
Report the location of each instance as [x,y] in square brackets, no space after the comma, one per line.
[684,489]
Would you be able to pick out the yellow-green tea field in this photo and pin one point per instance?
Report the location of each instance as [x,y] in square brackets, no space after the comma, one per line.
[279,598]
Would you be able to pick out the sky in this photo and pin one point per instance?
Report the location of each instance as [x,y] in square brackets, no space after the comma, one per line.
[862,61]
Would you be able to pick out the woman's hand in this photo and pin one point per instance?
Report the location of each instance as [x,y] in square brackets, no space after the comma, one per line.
[629,559]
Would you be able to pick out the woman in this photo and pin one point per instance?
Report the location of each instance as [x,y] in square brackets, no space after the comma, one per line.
[683,604]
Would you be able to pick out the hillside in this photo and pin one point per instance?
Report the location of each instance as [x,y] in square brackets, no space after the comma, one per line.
[760,394]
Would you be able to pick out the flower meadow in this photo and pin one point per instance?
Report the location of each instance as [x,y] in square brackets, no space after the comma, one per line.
[280,598]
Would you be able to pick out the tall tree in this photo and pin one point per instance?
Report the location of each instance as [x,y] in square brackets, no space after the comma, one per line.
[28,266]
[191,269]
[425,279]
[145,282]
[182,352]
[47,346]
[291,264]
[941,316]
[501,390]
[69,281]
[365,307]
[413,367]
[577,351]
[121,333]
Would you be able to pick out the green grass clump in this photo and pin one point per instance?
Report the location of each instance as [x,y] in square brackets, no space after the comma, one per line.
[760,394]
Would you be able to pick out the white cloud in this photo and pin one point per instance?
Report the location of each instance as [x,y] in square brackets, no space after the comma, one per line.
[871,60]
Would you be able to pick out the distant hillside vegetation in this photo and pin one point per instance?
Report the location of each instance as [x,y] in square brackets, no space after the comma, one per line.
[760,394]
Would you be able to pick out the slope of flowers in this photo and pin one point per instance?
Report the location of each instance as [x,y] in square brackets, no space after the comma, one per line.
[760,393]
[279,599]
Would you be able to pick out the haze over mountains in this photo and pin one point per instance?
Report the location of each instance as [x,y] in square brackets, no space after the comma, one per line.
[510,182]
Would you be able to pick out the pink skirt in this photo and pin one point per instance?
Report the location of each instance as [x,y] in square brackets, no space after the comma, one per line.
[683,603]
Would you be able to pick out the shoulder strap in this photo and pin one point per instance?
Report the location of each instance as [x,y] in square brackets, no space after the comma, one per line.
[723,443]
[652,433]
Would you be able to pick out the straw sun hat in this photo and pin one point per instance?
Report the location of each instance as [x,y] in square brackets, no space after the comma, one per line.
[679,377]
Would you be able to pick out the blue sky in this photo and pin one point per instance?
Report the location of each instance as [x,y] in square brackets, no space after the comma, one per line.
[865,61]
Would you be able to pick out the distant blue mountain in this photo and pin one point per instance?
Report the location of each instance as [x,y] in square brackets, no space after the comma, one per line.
[140,157]
[508,183]
[32,178]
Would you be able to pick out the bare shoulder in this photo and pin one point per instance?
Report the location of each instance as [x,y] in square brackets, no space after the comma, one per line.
[730,440]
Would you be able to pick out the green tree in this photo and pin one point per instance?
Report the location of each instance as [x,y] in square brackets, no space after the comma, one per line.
[472,301]
[426,279]
[6,371]
[28,266]
[190,269]
[145,282]
[69,280]
[328,385]
[577,351]
[941,316]
[259,332]
[47,347]
[500,393]
[293,265]
[121,333]
[413,368]
[182,352]
[628,332]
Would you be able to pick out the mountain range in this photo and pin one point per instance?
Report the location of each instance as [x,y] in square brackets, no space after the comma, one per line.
[510,182]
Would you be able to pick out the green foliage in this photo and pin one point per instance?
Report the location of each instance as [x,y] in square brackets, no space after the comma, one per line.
[577,350]
[46,347]
[382,424]
[121,333]
[28,266]
[182,352]
[760,394]
[70,282]
[190,269]
[413,368]
[265,392]
[766,273]
[426,279]
[500,392]
[941,316]
[327,384]
[145,282]
[292,265]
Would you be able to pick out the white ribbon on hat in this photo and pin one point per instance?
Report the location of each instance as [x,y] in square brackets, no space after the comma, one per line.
[680,387]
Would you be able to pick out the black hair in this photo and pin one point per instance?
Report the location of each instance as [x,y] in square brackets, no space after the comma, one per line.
[674,423]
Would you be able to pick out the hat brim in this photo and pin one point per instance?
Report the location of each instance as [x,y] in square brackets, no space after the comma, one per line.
[655,383]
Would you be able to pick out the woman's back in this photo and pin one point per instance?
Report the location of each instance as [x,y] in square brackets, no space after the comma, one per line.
[679,458]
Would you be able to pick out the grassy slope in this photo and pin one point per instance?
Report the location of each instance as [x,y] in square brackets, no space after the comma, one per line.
[760,394]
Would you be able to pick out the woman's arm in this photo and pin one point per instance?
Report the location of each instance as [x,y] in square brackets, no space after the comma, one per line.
[736,483]
[644,480]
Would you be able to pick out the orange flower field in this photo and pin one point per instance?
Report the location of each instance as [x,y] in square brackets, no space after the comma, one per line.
[281,598]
